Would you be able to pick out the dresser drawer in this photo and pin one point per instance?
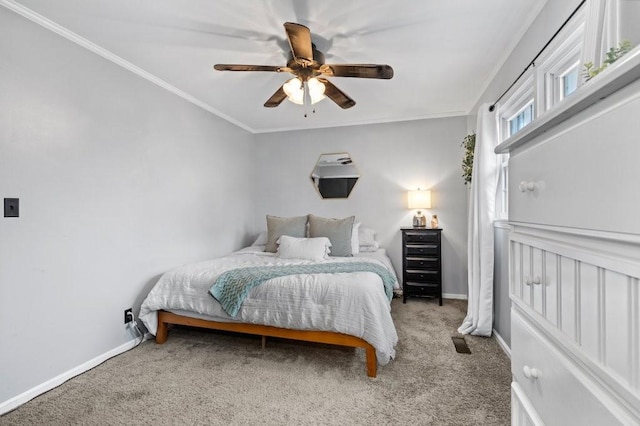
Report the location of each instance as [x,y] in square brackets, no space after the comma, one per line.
[583,177]
[422,276]
[431,250]
[422,263]
[558,390]
[422,236]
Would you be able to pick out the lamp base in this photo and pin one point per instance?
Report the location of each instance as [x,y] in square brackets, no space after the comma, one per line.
[419,220]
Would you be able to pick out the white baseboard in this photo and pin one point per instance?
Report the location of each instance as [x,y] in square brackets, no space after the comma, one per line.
[454,296]
[24,397]
[502,343]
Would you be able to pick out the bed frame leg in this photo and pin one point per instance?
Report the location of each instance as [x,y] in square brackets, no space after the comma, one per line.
[264,342]
[372,362]
[161,334]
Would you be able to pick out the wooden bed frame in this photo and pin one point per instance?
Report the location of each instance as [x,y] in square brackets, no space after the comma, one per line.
[165,318]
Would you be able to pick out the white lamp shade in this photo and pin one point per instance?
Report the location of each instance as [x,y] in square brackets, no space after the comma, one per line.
[316,90]
[419,199]
[294,91]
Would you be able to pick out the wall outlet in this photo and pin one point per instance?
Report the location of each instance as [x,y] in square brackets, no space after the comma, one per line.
[128,315]
[11,207]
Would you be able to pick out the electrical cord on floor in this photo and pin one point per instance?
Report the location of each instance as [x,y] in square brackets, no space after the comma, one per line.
[134,324]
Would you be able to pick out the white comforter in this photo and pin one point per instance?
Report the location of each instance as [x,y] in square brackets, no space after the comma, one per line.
[349,303]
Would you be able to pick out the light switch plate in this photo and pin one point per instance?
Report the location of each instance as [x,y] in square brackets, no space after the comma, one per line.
[11,207]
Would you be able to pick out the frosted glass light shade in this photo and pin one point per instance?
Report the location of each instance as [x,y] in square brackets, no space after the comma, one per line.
[316,90]
[419,199]
[294,91]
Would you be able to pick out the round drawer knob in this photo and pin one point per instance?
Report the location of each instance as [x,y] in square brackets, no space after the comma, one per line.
[530,372]
[536,280]
[526,186]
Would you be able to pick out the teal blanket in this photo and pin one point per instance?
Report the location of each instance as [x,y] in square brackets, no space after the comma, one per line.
[232,287]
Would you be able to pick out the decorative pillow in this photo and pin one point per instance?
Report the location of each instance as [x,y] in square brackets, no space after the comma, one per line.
[370,248]
[278,226]
[303,248]
[355,240]
[261,240]
[366,236]
[339,232]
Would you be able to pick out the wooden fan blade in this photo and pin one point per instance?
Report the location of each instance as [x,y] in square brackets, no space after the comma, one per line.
[336,95]
[357,70]
[300,41]
[276,99]
[235,67]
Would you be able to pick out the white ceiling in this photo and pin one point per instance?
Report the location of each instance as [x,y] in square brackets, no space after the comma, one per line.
[443,52]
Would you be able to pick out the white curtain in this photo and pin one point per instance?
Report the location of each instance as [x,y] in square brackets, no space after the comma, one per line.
[482,207]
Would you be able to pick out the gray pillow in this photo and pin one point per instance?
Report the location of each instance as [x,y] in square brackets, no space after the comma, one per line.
[278,226]
[338,231]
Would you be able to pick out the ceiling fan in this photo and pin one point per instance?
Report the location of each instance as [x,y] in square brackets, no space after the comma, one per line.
[306,63]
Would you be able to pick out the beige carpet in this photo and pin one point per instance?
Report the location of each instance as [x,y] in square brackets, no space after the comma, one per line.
[210,378]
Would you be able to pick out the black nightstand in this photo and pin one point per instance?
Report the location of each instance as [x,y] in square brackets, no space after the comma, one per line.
[421,263]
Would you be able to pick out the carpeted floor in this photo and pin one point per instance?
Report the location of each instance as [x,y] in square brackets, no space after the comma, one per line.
[211,378]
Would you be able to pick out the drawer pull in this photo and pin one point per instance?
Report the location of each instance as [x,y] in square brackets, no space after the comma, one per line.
[526,186]
[534,280]
[530,373]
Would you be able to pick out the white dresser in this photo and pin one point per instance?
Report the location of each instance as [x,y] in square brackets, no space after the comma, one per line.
[574,259]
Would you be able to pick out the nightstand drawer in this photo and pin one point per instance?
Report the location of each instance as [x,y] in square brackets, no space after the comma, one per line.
[422,236]
[432,250]
[422,276]
[422,262]
[423,289]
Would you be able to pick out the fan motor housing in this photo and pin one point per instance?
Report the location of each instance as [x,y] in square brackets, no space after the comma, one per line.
[302,68]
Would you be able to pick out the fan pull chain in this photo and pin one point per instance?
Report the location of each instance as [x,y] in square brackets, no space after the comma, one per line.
[306,99]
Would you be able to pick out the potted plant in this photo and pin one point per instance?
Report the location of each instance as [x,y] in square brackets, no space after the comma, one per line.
[469,145]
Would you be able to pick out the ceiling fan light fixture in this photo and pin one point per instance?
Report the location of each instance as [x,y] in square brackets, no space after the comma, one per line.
[306,63]
[294,90]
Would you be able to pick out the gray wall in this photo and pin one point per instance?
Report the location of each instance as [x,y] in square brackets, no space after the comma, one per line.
[392,158]
[118,181]
[544,26]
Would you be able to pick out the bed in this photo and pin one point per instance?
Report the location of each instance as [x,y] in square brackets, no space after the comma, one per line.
[350,307]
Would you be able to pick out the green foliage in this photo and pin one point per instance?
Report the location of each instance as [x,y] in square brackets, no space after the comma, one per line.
[469,145]
[613,55]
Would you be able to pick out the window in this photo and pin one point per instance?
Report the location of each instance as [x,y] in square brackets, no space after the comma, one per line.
[569,81]
[558,73]
[518,109]
[515,113]
[521,119]
[502,197]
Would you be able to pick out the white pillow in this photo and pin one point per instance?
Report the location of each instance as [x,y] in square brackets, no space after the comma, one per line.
[371,248]
[261,240]
[367,236]
[303,248]
[355,240]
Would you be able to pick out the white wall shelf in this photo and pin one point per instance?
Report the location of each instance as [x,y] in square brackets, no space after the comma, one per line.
[625,71]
